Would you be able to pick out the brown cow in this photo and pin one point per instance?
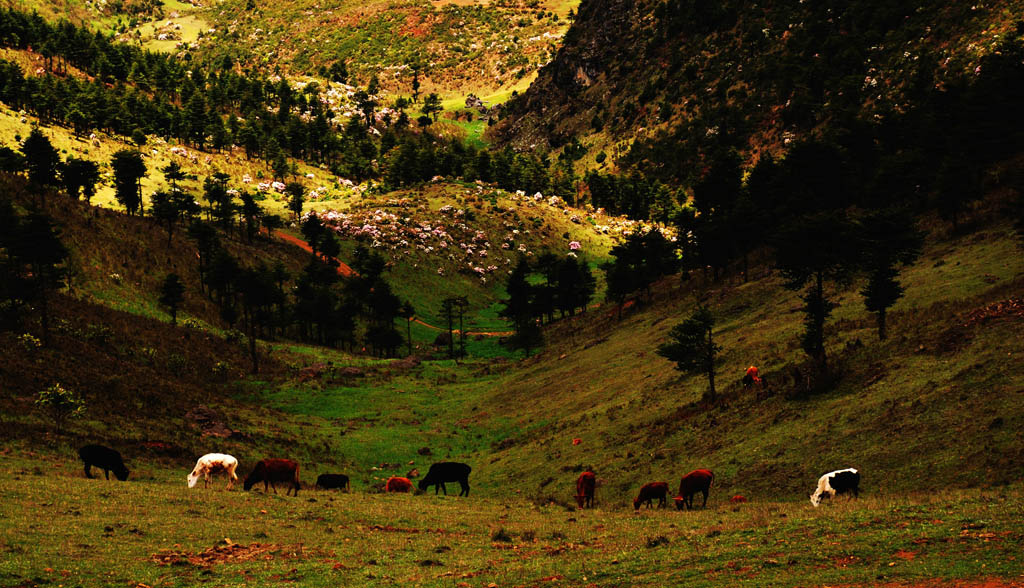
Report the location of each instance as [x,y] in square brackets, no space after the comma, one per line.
[396,484]
[692,483]
[651,491]
[271,471]
[585,489]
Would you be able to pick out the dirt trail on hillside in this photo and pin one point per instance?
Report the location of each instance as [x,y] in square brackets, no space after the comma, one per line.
[345,270]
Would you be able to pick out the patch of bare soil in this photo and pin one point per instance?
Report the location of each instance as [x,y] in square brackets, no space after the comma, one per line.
[1010,308]
[233,553]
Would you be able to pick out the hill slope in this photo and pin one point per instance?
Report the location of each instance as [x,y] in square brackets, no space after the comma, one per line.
[692,77]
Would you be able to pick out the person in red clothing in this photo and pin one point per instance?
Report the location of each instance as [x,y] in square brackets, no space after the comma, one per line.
[751,377]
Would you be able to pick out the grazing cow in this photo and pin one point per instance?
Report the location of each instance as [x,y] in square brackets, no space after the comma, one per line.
[328,481]
[447,471]
[692,483]
[396,484]
[837,482]
[585,489]
[213,463]
[105,459]
[651,491]
[271,471]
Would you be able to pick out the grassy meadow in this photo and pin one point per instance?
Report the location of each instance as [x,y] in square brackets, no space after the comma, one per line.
[59,528]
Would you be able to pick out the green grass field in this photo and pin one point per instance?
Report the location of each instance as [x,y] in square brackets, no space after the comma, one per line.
[59,528]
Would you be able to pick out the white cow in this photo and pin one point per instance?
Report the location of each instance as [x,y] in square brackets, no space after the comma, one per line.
[213,463]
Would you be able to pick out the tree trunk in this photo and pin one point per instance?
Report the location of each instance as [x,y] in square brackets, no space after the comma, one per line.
[711,365]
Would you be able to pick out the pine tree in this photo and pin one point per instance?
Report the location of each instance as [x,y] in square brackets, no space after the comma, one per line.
[172,294]
[129,169]
[80,176]
[41,158]
[888,240]
[691,345]
[811,251]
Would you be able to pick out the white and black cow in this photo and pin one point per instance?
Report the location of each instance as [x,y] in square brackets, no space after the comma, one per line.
[837,482]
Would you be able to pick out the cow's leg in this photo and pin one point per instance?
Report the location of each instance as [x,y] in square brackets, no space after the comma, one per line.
[106,473]
[443,489]
[705,505]
[88,470]
[465,487]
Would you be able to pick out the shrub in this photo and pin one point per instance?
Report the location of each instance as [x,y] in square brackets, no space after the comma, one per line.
[191,323]
[60,404]
[29,342]
[176,362]
[97,333]
[221,369]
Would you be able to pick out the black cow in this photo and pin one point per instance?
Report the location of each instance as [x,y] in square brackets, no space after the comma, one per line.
[328,481]
[447,471]
[104,458]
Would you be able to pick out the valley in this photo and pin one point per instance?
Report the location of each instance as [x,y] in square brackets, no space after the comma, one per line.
[286,230]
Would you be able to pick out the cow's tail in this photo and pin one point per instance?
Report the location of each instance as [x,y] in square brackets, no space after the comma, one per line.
[711,484]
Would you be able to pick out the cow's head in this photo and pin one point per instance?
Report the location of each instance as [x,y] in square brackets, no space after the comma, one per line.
[121,472]
[192,479]
[636,503]
[816,498]
[581,500]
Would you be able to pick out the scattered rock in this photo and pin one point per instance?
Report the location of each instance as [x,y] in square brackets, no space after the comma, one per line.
[351,372]
[208,422]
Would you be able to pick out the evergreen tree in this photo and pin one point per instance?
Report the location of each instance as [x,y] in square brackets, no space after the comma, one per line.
[207,243]
[519,308]
[251,215]
[888,240]
[691,345]
[41,158]
[129,169]
[172,294]
[811,251]
[164,208]
[296,197]
[432,105]
[39,256]
[80,176]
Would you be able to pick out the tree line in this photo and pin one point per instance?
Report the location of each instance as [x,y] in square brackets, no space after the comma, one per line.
[263,301]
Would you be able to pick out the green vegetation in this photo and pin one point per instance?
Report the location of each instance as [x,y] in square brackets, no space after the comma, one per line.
[327,538]
[871,269]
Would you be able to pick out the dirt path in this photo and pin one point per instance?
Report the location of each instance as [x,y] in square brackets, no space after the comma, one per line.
[347,271]
[343,268]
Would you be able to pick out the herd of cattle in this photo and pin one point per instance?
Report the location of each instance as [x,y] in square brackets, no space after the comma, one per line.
[285,471]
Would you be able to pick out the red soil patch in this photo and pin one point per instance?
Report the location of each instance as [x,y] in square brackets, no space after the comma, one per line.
[1011,308]
[343,268]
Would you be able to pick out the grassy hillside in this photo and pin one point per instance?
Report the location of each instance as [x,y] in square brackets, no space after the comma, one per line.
[460,47]
[941,373]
